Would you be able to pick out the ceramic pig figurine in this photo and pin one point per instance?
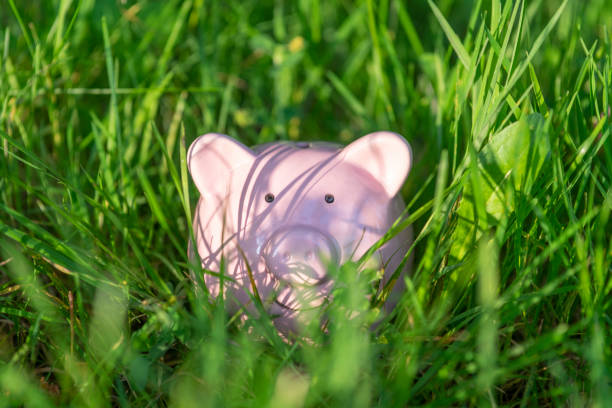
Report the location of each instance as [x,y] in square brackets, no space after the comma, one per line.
[281,212]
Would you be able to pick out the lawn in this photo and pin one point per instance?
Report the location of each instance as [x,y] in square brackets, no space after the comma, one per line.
[506,106]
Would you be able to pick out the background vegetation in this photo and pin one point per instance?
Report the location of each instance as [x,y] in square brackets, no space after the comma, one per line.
[506,105]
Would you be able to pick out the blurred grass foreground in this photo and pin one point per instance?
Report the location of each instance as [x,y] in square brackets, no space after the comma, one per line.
[506,105]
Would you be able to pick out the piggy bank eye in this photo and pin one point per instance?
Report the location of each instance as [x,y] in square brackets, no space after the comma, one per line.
[269,197]
[329,198]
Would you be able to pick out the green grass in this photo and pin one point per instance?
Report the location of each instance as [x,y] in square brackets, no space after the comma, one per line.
[507,108]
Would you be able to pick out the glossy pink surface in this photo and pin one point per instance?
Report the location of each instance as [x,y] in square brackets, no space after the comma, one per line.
[288,209]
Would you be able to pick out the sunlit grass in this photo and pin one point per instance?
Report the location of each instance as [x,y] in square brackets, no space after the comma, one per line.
[506,106]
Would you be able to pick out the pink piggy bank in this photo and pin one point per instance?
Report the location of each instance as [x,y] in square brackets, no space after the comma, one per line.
[279,213]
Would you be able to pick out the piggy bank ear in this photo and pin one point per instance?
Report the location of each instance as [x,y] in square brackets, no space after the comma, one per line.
[385,155]
[212,159]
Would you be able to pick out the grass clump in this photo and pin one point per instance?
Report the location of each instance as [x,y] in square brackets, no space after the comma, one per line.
[506,105]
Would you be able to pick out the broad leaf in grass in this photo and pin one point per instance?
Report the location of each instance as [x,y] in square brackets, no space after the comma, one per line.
[507,165]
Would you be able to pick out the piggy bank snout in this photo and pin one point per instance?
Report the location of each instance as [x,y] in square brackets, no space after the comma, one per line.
[300,255]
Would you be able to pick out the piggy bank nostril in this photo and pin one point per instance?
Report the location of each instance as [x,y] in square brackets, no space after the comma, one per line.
[286,256]
[309,255]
